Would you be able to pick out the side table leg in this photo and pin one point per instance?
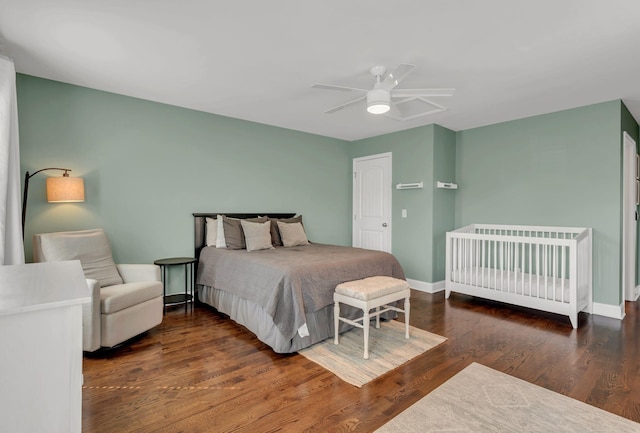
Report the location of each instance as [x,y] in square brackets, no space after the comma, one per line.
[164,288]
[186,288]
[191,289]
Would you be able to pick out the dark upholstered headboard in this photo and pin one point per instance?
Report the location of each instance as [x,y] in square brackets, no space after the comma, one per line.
[199,220]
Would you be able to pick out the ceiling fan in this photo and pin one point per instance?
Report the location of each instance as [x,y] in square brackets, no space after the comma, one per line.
[386,98]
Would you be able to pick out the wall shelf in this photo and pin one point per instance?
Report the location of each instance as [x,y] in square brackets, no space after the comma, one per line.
[446,185]
[410,185]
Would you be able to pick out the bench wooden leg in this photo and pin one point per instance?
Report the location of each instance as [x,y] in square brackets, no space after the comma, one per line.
[406,317]
[336,320]
[365,323]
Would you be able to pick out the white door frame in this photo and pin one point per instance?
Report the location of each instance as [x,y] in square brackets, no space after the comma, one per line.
[387,210]
[629,222]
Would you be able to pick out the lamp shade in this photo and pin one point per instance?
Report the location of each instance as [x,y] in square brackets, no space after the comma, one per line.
[65,189]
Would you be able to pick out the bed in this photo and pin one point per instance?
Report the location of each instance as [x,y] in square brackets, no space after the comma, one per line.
[283,295]
[546,268]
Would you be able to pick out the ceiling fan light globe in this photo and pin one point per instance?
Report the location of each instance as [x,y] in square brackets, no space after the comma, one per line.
[378,108]
[378,101]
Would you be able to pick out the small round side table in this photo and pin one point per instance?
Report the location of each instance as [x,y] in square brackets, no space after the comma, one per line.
[178,298]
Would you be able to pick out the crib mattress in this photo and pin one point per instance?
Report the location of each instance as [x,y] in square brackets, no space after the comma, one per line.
[520,283]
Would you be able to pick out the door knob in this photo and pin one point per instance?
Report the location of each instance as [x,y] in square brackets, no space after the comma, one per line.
[384,224]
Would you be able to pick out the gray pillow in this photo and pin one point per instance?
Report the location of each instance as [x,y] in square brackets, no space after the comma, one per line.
[257,235]
[233,234]
[91,247]
[276,240]
[292,234]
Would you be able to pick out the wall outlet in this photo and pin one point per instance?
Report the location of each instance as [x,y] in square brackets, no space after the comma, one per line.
[404,213]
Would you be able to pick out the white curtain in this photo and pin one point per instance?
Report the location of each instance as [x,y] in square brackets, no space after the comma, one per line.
[11,245]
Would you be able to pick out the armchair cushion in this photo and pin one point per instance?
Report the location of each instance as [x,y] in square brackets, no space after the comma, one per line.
[133,273]
[91,247]
[120,296]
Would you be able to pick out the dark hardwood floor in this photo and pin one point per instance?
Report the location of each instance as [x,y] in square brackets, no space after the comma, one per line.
[200,372]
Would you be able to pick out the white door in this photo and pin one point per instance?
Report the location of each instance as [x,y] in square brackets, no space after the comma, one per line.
[372,202]
[629,220]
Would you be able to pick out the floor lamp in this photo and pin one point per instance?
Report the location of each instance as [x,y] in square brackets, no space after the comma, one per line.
[63,189]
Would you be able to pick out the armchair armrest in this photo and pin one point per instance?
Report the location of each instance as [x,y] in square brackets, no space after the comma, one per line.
[138,273]
[91,322]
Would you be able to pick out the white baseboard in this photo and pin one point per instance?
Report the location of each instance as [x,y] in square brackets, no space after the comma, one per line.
[422,286]
[606,310]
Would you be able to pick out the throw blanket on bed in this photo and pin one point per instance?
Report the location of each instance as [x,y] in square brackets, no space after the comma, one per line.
[286,282]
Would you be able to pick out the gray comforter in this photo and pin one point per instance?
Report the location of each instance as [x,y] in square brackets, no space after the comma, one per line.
[286,282]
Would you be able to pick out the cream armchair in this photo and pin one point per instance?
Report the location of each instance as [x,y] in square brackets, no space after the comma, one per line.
[126,300]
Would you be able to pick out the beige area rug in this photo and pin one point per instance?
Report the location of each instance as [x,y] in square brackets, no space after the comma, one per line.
[479,399]
[388,349]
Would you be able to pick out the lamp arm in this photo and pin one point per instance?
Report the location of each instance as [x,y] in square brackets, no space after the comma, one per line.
[66,170]
[28,176]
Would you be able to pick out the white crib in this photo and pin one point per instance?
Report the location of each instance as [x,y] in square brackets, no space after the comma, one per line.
[546,268]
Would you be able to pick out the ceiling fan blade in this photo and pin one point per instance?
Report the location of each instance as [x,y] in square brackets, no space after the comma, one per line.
[397,114]
[340,88]
[346,104]
[394,113]
[406,93]
[395,77]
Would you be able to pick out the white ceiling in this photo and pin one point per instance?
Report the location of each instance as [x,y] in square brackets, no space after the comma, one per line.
[257,60]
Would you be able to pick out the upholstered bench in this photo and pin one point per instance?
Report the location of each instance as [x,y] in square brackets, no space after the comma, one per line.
[367,294]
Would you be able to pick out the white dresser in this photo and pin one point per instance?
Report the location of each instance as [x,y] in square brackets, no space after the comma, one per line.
[41,347]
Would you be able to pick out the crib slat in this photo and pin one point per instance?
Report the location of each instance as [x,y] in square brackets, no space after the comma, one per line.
[464,260]
[555,270]
[495,264]
[562,271]
[530,270]
[470,260]
[522,267]
[475,260]
[467,261]
[482,263]
[458,261]
[452,257]
[502,266]
[462,264]
[537,270]
[514,263]
[507,250]
[546,264]
[470,254]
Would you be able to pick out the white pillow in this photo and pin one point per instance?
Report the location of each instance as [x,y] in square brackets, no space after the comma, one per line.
[212,232]
[221,242]
[292,234]
[257,235]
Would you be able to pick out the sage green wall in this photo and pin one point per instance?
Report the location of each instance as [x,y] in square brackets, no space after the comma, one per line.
[419,155]
[629,125]
[148,166]
[559,169]
[444,170]
[411,237]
